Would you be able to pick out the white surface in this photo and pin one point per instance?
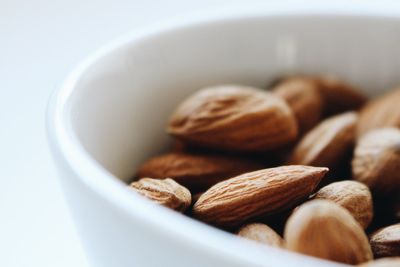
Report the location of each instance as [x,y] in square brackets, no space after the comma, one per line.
[117,101]
[40,42]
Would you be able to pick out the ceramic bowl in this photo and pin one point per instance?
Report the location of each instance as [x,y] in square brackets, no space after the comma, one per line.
[110,115]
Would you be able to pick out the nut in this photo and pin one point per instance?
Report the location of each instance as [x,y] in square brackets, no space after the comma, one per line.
[376,160]
[380,113]
[195,171]
[383,262]
[234,201]
[261,233]
[339,96]
[166,192]
[324,229]
[351,195]
[386,241]
[327,143]
[234,118]
[304,97]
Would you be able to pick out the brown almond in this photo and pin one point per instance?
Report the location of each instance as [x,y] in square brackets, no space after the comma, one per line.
[327,143]
[351,195]
[234,118]
[381,112]
[376,160]
[386,241]
[340,96]
[196,171]
[323,229]
[304,97]
[383,262]
[234,201]
[165,192]
[261,233]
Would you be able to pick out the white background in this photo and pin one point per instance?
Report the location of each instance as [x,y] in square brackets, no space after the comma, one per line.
[40,42]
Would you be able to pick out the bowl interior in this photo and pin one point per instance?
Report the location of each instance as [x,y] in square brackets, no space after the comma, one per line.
[120,106]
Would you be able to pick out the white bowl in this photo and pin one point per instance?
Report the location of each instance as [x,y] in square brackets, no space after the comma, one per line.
[110,115]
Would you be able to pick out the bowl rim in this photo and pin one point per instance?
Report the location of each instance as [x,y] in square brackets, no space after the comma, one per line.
[180,228]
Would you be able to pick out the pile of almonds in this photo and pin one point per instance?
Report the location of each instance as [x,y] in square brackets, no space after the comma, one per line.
[310,165]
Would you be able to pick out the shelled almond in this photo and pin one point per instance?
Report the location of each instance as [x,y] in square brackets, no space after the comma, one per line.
[385,242]
[228,147]
[381,112]
[196,171]
[166,192]
[327,143]
[261,233]
[324,229]
[234,118]
[304,98]
[351,195]
[376,160]
[253,194]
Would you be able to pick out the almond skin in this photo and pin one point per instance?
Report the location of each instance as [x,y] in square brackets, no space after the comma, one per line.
[197,172]
[351,195]
[268,191]
[339,96]
[165,192]
[386,242]
[261,233]
[305,99]
[376,160]
[234,118]
[327,143]
[380,113]
[323,229]
[383,262]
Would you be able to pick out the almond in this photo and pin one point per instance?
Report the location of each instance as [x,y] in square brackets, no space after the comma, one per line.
[386,241]
[165,192]
[327,143]
[195,171]
[340,96]
[261,233]
[376,161]
[234,118]
[234,201]
[351,195]
[324,229]
[305,99]
[380,113]
[383,262]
